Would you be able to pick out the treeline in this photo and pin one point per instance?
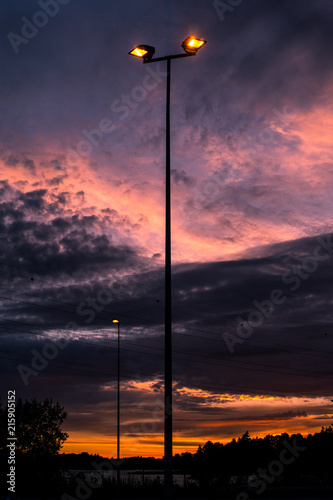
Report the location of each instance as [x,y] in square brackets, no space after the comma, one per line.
[283,459]
[289,457]
[72,461]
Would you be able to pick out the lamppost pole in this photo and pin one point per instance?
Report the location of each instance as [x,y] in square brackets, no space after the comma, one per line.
[168,470]
[190,46]
[118,400]
[115,320]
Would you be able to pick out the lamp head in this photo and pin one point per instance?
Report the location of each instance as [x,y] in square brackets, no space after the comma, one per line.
[146,52]
[115,320]
[191,44]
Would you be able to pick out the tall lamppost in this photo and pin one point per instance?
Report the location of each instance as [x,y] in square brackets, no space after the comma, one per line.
[146,52]
[115,320]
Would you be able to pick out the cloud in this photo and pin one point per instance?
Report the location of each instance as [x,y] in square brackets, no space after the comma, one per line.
[290,346]
[180,177]
[287,415]
[56,245]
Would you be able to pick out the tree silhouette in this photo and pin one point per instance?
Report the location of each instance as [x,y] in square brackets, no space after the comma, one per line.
[215,463]
[37,426]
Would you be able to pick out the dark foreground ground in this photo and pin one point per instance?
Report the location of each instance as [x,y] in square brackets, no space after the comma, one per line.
[239,493]
[261,497]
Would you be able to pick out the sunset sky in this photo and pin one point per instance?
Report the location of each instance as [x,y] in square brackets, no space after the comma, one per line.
[82,162]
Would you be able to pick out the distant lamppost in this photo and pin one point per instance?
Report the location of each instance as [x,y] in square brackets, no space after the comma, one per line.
[115,320]
[146,52]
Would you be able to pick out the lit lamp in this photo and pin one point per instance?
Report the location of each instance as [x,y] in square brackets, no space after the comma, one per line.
[144,51]
[192,44]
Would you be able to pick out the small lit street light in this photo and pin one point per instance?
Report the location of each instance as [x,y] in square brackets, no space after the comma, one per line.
[190,46]
[115,320]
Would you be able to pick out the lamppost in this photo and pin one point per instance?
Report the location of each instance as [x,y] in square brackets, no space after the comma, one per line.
[115,320]
[146,52]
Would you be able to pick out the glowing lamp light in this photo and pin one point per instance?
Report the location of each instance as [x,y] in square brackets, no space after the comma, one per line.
[115,320]
[138,52]
[144,51]
[192,44]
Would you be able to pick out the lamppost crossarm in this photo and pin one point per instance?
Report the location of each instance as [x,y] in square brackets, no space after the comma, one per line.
[167,58]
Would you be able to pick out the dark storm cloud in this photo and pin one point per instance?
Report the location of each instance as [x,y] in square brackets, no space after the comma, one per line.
[55,181]
[67,245]
[33,200]
[287,354]
[180,177]
[80,250]
[275,50]
[11,161]
[287,30]
[30,165]
[284,415]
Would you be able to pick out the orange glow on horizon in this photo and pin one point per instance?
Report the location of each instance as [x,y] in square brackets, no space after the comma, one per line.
[152,446]
[142,429]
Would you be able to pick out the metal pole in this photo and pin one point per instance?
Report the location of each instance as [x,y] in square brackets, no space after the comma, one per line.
[168,471]
[118,416]
[168,468]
